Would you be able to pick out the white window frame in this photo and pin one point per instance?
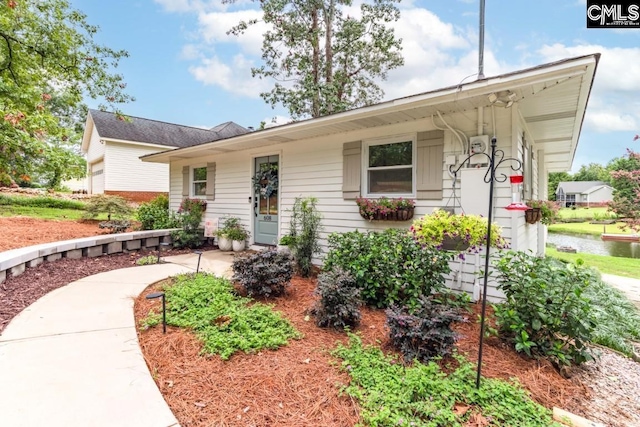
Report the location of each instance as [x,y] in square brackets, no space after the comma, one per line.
[395,139]
[192,182]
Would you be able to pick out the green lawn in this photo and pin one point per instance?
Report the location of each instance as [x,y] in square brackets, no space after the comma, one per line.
[627,267]
[586,213]
[586,228]
[43,213]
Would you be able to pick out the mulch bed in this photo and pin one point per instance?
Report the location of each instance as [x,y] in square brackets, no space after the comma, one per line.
[17,293]
[297,384]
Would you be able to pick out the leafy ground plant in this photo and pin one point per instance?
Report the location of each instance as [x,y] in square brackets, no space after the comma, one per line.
[617,320]
[224,322]
[391,394]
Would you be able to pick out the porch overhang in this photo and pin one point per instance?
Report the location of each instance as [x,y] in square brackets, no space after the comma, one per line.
[551,99]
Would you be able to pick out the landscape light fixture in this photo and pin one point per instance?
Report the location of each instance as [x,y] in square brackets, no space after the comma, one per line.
[155,295]
[199,253]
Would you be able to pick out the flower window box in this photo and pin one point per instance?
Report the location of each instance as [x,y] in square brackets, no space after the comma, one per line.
[384,209]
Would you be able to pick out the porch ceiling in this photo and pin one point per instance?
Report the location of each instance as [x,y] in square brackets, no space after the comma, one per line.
[551,99]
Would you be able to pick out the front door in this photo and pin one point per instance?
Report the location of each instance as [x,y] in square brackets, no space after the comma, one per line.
[265,184]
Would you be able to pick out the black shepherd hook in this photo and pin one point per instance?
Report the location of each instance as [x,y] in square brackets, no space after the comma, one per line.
[495,160]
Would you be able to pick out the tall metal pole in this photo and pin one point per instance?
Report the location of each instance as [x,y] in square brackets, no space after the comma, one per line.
[492,171]
[481,43]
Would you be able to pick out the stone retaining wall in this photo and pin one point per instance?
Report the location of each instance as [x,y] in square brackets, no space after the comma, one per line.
[15,261]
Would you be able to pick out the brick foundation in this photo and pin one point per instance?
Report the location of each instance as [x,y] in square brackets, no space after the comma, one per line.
[136,196]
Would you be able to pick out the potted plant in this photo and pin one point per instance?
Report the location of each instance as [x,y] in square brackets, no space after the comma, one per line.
[456,232]
[225,241]
[238,236]
[545,211]
[385,209]
[285,243]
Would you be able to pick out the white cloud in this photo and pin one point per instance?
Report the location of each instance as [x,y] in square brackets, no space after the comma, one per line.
[615,88]
[214,27]
[610,121]
[184,6]
[234,77]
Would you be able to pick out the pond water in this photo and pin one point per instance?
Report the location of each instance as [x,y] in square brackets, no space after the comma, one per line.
[594,245]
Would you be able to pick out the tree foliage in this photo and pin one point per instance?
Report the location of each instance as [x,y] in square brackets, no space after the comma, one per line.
[592,172]
[556,178]
[323,59]
[49,62]
[626,183]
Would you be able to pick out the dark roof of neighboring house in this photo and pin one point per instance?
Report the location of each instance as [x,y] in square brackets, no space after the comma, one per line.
[155,132]
[570,187]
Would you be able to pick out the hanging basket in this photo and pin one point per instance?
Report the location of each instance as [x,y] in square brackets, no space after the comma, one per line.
[403,214]
[533,215]
[454,244]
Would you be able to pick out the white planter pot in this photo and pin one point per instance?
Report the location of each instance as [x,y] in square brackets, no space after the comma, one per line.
[238,245]
[285,249]
[224,243]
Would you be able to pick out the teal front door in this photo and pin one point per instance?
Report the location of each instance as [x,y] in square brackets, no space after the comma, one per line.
[265,198]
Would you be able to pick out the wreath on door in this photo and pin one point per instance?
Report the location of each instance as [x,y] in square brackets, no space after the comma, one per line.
[265,182]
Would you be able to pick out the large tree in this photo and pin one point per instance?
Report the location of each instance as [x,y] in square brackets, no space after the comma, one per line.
[592,172]
[625,174]
[48,63]
[323,59]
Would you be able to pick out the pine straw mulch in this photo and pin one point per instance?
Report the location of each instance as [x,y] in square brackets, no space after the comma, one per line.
[297,385]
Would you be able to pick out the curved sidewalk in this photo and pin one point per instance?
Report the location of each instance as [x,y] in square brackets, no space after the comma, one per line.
[72,358]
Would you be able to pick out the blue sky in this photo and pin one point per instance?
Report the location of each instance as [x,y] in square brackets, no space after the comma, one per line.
[184,69]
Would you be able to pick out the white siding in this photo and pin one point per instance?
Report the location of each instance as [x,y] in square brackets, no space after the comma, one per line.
[314,168]
[95,150]
[124,171]
[603,194]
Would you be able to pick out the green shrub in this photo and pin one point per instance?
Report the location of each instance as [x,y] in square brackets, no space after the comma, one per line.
[155,214]
[224,322]
[305,230]
[338,305]
[263,274]
[389,267]
[115,207]
[189,219]
[41,202]
[546,311]
[423,332]
[147,260]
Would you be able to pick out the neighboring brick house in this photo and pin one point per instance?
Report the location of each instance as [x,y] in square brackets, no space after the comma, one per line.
[584,193]
[113,148]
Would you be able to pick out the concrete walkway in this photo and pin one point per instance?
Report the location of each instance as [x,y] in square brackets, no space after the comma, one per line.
[72,358]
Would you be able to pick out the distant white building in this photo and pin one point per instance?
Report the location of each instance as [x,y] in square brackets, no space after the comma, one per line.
[113,148]
[584,193]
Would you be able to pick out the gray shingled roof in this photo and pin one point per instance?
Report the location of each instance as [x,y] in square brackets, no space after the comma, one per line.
[579,187]
[161,133]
